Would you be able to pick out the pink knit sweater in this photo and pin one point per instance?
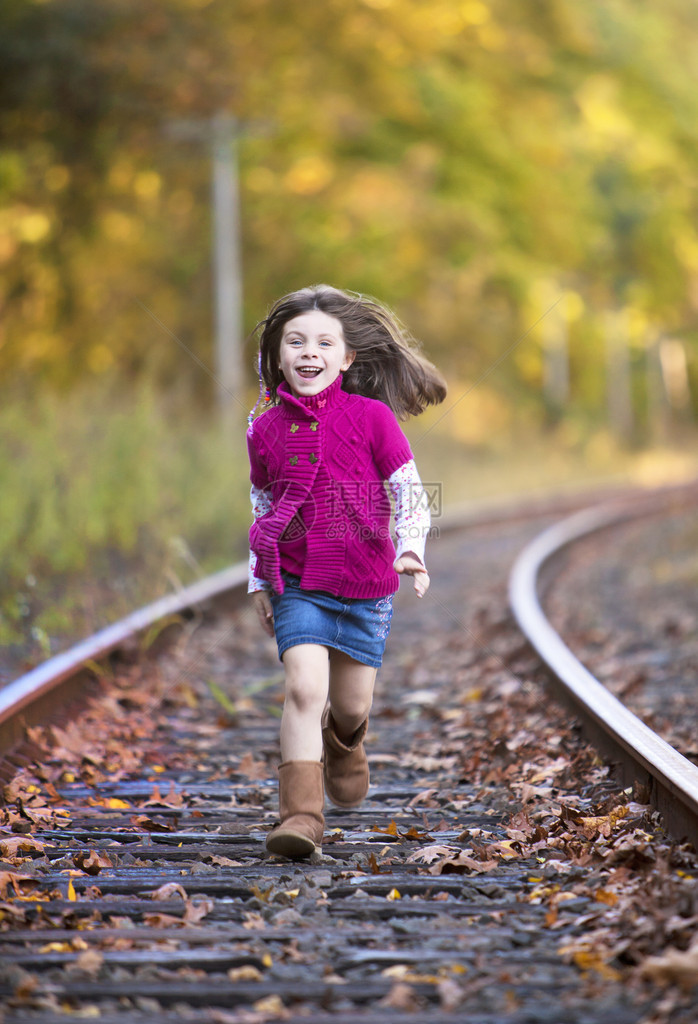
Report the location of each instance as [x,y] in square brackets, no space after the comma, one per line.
[325,459]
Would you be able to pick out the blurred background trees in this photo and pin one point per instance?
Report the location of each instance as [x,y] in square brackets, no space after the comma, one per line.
[517,178]
[466,161]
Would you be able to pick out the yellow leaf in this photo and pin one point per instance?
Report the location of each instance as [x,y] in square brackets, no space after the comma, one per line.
[394,895]
[604,896]
[391,830]
[267,960]
[71,891]
[588,960]
[271,1005]
[248,972]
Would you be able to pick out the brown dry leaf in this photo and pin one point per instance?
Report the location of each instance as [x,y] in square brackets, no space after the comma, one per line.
[92,861]
[89,962]
[676,967]
[224,862]
[248,972]
[400,997]
[15,846]
[151,824]
[21,884]
[168,890]
[428,854]
[253,921]
[12,912]
[450,995]
[173,799]
[272,1008]
[196,912]
[162,921]
[603,825]
[460,864]
[252,769]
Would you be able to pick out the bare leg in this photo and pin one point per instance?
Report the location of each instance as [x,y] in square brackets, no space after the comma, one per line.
[350,691]
[306,688]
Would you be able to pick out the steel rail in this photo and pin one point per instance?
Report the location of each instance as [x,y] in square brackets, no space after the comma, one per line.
[33,698]
[29,699]
[670,778]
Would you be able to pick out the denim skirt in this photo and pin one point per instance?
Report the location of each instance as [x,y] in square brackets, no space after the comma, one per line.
[357,626]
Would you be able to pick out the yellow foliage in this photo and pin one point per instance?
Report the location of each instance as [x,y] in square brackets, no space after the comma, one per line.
[33,227]
[147,184]
[598,100]
[57,178]
[473,414]
[119,227]
[474,12]
[309,175]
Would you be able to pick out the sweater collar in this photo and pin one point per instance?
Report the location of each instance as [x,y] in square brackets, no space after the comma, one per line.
[312,405]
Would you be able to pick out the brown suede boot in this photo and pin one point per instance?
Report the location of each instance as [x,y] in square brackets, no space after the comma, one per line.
[345,765]
[301,799]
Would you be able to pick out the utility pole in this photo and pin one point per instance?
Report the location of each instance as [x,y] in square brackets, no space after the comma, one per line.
[221,132]
[555,343]
[618,381]
[227,260]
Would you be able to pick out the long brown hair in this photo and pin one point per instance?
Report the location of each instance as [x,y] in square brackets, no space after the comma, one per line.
[387,364]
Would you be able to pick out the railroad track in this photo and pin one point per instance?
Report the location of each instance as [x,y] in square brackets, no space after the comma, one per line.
[141,891]
[670,779]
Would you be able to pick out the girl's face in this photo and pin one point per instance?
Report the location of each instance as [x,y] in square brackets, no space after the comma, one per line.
[313,352]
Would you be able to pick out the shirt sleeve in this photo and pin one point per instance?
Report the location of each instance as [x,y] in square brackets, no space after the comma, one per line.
[412,516]
[261,503]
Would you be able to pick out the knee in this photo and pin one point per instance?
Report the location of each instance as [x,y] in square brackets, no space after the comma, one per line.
[350,708]
[305,696]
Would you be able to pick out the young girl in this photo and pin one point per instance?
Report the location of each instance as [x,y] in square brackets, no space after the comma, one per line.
[337,370]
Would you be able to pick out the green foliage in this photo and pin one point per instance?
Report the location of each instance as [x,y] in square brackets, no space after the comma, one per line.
[114,489]
[445,155]
[468,162]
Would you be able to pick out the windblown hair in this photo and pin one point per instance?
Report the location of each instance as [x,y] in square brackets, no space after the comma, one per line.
[387,365]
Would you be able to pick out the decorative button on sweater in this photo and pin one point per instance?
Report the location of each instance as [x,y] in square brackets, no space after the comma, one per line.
[294,427]
[293,460]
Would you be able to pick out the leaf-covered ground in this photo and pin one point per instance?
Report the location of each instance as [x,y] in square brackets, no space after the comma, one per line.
[626,604]
[496,872]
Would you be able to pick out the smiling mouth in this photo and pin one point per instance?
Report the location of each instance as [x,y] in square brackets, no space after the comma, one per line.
[308,372]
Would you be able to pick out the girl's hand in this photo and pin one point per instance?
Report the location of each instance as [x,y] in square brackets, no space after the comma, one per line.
[411,565]
[262,605]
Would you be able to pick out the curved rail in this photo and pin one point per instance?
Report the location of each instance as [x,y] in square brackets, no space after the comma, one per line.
[27,700]
[644,757]
[34,697]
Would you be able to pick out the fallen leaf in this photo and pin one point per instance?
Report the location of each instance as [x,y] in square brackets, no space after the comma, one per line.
[15,846]
[252,769]
[89,962]
[168,890]
[400,997]
[92,861]
[246,973]
[676,967]
[196,912]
